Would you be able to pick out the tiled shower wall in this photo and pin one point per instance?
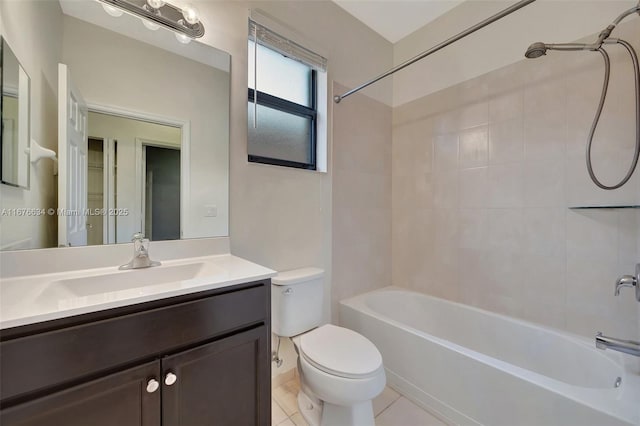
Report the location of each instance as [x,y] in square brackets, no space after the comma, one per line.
[361,201]
[484,173]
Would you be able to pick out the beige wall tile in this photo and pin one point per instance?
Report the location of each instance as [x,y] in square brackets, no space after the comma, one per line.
[497,232]
[361,196]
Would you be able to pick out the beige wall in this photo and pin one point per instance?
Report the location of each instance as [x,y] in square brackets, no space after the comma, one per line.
[281,217]
[361,249]
[38,50]
[483,173]
[502,43]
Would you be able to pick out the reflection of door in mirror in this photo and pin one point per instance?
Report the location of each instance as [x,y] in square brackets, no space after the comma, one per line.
[73,171]
[136,178]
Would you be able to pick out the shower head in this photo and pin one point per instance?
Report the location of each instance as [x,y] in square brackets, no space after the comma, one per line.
[536,50]
[540,49]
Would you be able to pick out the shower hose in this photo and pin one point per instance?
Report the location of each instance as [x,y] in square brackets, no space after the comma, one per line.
[605,86]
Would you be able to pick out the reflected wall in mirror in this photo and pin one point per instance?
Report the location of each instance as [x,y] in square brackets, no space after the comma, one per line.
[116,178]
[15,119]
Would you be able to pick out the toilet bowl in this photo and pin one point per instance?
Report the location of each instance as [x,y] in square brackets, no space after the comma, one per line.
[340,370]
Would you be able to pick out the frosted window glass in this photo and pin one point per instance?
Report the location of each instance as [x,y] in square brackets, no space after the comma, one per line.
[279,135]
[280,76]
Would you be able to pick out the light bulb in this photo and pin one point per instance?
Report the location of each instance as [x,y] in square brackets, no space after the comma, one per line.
[190,15]
[150,25]
[156,4]
[113,11]
[183,38]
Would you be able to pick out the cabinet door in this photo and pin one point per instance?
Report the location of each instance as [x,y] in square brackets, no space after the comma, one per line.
[119,399]
[226,382]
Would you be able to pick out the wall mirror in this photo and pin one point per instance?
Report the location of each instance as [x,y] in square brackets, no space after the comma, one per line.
[143,131]
[15,119]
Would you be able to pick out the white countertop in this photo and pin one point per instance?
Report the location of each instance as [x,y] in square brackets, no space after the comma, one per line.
[36,298]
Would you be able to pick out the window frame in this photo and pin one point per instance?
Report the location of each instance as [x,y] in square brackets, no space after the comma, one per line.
[286,106]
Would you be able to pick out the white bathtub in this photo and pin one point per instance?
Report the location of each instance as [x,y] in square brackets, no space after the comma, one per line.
[475,367]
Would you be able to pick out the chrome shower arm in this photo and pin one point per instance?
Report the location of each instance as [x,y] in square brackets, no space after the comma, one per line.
[635,9]
[604,34]
[572,46]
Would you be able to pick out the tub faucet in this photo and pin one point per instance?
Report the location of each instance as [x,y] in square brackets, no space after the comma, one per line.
[627,346]
[629,281]
[140,254]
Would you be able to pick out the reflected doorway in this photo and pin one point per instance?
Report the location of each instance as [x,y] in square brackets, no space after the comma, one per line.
[96,183]
[161,192]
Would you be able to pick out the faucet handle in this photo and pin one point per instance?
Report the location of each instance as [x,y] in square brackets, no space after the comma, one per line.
[625,281]
[629,281]
[138,236]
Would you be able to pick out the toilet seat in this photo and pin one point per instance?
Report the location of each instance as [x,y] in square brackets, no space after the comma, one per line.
[340,352]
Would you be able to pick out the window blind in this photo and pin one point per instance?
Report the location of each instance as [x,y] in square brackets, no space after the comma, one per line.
[286,47]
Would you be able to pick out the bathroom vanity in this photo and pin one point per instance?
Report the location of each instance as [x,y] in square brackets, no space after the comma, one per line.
[190,352]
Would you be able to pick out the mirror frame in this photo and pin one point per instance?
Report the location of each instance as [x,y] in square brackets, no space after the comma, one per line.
[24,127]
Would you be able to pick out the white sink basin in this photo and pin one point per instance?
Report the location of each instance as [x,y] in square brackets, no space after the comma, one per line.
[136,278]
[28,299]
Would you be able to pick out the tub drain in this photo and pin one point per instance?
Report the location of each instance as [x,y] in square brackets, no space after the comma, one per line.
[618,382]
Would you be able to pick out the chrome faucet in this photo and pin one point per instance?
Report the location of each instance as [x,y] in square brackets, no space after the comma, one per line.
[629,281]
[140,254]
[627,346]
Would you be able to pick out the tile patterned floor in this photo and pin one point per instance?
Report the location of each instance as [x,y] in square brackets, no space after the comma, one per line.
[390,409]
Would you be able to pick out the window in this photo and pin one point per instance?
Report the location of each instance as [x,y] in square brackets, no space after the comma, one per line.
[282,112]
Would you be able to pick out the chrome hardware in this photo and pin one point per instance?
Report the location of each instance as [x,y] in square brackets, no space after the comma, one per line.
[618,382]
[629,281]
[170,379]
[288,291]
[275,355]
[140,254]
[626,346]
[152,385]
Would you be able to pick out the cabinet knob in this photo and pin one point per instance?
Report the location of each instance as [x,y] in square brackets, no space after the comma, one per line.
[170,379]
[152,385]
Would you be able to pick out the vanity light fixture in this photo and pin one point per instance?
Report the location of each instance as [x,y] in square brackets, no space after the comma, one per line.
[185,22]
[113,11]
[150,25]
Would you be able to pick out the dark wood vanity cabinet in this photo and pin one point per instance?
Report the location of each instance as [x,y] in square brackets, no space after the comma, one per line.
[201,359]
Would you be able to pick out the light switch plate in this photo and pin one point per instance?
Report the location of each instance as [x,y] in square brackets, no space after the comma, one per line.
[210,210]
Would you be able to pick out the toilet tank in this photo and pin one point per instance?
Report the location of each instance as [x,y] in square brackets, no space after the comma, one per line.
[296,301]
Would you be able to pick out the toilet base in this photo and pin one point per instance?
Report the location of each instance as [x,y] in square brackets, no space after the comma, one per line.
[326,414]
[311,411]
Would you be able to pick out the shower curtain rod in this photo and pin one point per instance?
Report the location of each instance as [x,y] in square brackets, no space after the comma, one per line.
[434,49]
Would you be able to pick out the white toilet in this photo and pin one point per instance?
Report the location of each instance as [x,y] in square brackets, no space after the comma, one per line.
[340,370]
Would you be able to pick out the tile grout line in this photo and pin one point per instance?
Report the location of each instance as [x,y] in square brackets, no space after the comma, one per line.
[388,406]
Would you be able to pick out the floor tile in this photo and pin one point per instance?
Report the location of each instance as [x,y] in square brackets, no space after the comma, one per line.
[277,414]
[298,420]
[385,399]
[405,413]
[286,396]
[287,422]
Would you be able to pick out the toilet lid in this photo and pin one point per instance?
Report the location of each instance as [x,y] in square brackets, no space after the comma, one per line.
[340,351]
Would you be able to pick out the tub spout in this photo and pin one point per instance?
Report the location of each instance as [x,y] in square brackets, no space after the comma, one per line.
[627,346]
